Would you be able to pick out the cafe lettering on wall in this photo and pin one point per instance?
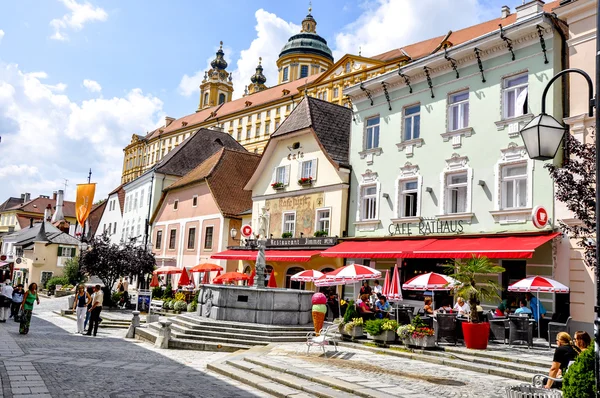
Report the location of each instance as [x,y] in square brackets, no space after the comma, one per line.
[426,227]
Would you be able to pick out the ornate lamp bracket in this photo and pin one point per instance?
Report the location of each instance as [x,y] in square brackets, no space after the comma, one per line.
[406,80]
[507,41]
[362,87]
[387,95]
[451,60]
[477,51]
[429,82]
[349,99]
[542,41]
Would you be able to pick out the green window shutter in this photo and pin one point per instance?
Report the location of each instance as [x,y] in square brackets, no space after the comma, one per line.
[59,253]
[73,250]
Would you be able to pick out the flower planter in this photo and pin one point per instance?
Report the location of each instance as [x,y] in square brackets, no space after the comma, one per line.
[476,335]
[305,184]
[356,333]
[388,336]
[422,342]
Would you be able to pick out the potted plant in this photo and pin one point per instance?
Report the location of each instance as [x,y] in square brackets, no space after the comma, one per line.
[318,234]
[417,333]
[471,287]
[381,330]
[286,235]
[277,185]
[304,181]
[354,328]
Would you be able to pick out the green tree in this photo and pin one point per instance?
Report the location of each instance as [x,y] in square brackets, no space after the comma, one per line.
[466,271]
[579,380]
[72,272]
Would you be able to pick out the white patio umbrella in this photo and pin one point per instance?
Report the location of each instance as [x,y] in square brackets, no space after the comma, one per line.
[538,284]
[431,282]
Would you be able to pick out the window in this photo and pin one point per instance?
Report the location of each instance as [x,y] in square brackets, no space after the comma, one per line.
[288,108]
[239,135]
[173,233]
[285,74]
[208,238]
[409,195]
[142,199]
[66,251]
[336,92]
[323,217]
[456,192]
[514,186]
[282,175]
[306,169]
[257,132]
[515,96]
[115,228]
[372,134]
[369,203]
[158,242]
[458,111]
[304,71]
[191,238]
[221,98]
[205,99]
[195,201]
[139,230]
[267,128]
[289,223]
[276,125]
[175,204]
[135,201]
[412,122]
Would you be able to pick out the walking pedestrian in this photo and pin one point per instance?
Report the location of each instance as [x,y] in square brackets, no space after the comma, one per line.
[90,292]
[80,306]
[17,299]
[27,307]
[5,300]
[95,311]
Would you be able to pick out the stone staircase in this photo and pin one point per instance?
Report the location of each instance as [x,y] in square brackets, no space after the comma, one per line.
[195,333]
[108,321]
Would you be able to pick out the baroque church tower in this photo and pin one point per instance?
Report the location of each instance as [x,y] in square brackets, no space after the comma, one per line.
[257,80]
[217,86]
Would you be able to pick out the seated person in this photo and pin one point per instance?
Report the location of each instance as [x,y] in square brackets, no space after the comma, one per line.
[523,308]
[502,309]
[564,353]
[332,303]
[446,308]
[461,306]
[427,308]
[382,307]
[363,308]
[582,340]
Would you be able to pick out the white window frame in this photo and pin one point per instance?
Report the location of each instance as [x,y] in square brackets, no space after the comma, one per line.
[169,239]
[371,145]
[281,174]
[187,246]
[142,199]
[318,219]
[401,197]
[517,90]
[336,92]
[449,188]
[283,222]
[506,180]
[212,237]
[307,71]
[412,117]
[285,74]
[363,202]
[462,107]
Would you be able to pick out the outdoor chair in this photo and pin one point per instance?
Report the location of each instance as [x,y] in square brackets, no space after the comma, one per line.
[404,316]
[326,335]
[446,328]
[521,330]
[427,320]
[554,328]
[498,328]
[365,315]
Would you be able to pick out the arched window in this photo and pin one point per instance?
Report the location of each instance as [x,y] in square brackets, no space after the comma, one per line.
[221,98]
[289,283]
[205,98]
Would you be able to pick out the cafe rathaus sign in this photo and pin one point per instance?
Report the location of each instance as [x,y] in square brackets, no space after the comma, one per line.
[426,227]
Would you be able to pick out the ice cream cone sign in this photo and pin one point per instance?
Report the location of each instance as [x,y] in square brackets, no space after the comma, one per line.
[319,309]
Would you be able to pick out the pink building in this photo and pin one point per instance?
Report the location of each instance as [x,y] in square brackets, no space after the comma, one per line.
[195,214]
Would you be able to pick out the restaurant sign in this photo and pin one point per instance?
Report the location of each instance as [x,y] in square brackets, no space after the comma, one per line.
[322,241]
[426,227]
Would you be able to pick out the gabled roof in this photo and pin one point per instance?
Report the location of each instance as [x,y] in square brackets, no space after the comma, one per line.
[39,204]
[29,235]
[194,150]
[330,122]
[95,217]
[10,203]
[226,172]
[340,62]
[120,191]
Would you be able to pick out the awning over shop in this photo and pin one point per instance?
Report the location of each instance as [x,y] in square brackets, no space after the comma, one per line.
[491,247]
[271,255]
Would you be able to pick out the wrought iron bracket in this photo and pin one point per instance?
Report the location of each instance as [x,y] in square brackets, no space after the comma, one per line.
[477,51]
[542,41]
[387,95]
[507,41]
[451,60]
[349,99]
[429,82]
[406,80]
[362,87]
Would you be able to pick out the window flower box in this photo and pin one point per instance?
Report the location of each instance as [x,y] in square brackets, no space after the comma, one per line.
[286,235]
[277,186]
[305,181]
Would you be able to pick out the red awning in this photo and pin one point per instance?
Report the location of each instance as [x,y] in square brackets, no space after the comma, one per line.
[301,256]
[491,247]
[376,248]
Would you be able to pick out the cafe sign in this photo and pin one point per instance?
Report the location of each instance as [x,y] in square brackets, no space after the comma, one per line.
[321,241]
[426,227]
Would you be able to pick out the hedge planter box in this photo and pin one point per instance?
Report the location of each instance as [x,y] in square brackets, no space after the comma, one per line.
[356,333]
[389,336]
[421,342]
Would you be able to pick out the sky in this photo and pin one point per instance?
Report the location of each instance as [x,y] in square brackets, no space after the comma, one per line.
[78,78]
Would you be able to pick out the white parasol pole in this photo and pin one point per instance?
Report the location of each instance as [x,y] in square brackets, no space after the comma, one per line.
[539,315]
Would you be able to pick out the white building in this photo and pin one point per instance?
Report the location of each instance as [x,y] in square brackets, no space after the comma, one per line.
[111,221]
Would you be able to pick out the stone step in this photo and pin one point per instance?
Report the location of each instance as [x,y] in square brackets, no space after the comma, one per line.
[234,340]
[228,329]
[233,333]
[151,334]
[260,383]
[244,325]
[505,357]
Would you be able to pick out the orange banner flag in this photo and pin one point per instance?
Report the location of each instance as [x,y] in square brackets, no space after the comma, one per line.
[84,201]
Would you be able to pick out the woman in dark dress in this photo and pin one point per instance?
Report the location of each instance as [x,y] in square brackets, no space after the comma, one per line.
[566,352]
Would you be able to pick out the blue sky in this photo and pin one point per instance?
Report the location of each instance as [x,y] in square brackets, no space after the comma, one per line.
[78,78]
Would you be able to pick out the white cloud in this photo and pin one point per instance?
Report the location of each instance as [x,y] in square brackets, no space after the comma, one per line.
[1,35]
[53,137]
[92,86]
[79,14]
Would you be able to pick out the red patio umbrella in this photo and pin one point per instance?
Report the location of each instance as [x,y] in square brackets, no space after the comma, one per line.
[252,275]
[215,281]
[394,293]
[184,279]
[206,277]
[167,270]
[206,267]
[386,284]
[231,277]
[154,281]
[348,274]
[431,282]
[272,281]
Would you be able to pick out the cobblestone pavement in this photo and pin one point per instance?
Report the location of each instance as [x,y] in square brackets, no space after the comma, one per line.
[53,361]
[395,376]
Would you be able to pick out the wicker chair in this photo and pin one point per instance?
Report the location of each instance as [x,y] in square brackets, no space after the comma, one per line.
[404,316]
[446,328]
[521,330]
[554,328]
[498,328]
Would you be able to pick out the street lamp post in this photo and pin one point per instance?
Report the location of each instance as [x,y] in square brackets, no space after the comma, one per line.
[542,137]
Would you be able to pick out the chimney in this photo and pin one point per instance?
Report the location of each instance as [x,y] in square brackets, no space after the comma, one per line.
[216,127]
[27,196]
[505,11]
[48,213]
[169,120]
[58,214]
[41,235]
[529,9]
[54,195]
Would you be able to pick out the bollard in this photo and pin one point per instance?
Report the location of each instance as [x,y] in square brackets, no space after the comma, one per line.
[164,335]
[135,323]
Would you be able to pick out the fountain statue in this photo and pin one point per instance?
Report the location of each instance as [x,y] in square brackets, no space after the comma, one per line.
[259,276]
